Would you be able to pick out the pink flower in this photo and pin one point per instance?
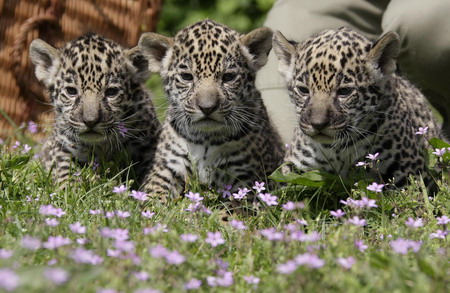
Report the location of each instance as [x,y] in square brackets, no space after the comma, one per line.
[268,199]
[109,215]
[16,145]
[289,206]
[147,214]
[120,189]
[438,234]
[422,131]
[26,149]
[30,243]
[414,223]
[9,280]
[5,253]
[361,164]
[252,280]
[271,234]
[225,279]
[401,246]
[32,127]
[194,197]
[52,222]
[360,245]
[174,258]
[242,192]
[139,195]
[259,186]
[95,212]
[188,237]
[439,152]
[113,252]
[82,241]
[118,234]
[338,214]
[124,245]
[54,242]
[214,238]
[192,284]
[310,260]
[287,268]
[346,262]
[444,220]
[375,187]
[77,228]
[142,276]
[373,157]
[56,275]
[158,251]
[81,255]
[357,221]
[123,214]
[239,225]
[49,210]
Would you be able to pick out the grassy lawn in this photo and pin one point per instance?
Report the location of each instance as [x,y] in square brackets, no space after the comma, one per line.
[99,236]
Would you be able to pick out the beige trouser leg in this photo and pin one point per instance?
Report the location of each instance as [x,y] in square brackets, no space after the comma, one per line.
[299,19]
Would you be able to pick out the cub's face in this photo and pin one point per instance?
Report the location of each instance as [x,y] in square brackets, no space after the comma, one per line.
[336,80]
[208,72]
[89,81]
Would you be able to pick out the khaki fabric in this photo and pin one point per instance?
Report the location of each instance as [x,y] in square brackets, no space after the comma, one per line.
[423,26]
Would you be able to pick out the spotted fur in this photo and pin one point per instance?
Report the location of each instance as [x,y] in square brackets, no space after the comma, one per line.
[100,101]
[216,126]
[350,101]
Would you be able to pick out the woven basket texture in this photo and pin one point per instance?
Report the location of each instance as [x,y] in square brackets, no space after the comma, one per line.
[22,97]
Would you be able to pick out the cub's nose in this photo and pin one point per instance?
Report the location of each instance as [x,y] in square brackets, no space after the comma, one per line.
[209,107]
[320,125]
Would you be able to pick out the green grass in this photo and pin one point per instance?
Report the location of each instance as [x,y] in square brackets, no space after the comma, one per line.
[25,187]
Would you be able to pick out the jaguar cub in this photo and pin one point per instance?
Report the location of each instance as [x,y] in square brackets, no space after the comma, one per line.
[100,101]
[350,101]
[216,125]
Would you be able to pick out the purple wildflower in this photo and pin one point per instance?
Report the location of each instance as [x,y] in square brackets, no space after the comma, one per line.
[444,220]
[414,223]
[124,245]
[123,214]
[158,251]
[289,206]
[225,191]
[310,260]
[157,228]
[5,253]
[142,276]
[52,222]
[361,164]
[236,224]
[375,187]
[373,157]
[440,234]
[192,284]
[174,257]
[81,255]
[77,228]
[337,214]
[268,199]
[49,210]
[109,215]
[422,131]
[120,189]
[147,290]
[287,268]
[95,212]
[82,241]
[360,245]
[346,262]
[188,237]
[401,246]
[32,127]
[9,280]
[54,242]
[26,149]
[117,234]
[252,280]
[16,145]
[113,252]
[148,214]
[271,234]
[439,152]
[139,195]
[56,275]
[242,192]
[357,221]
[259,186]
[214,238]
[194,197]
[30,243]
[223,280]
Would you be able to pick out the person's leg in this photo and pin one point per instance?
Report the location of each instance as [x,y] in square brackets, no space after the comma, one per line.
[298,20]
[424,29]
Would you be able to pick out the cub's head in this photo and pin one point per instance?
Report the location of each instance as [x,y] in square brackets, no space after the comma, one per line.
[336,80]
[90,82]
[208,72]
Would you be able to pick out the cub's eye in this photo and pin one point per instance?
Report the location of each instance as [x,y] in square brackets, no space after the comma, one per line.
[303,90]
[187,76]
[227,77]
[71,91]
[344,91]
[112,91]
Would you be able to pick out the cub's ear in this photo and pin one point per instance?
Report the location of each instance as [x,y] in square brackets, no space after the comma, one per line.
[383,54]
[285,52]
[154,47]
[44,58]
[139,64]
[257,44]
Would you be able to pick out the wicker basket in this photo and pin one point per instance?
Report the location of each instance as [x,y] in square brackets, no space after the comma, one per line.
[22,97]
